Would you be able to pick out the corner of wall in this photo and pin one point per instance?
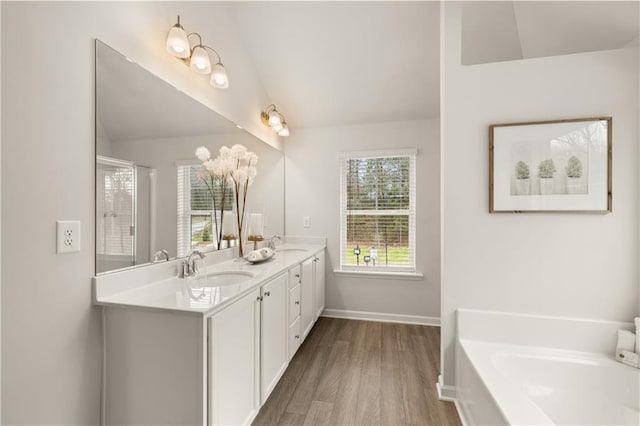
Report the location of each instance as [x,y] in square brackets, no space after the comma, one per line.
[0,215]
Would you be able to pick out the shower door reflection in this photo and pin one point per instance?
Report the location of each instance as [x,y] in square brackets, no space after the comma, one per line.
[123,196]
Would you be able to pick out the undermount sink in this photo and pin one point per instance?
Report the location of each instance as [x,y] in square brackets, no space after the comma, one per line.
[290,249]
[223,278]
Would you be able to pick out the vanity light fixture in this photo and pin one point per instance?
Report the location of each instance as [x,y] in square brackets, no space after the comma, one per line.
[272,118]
[197,57]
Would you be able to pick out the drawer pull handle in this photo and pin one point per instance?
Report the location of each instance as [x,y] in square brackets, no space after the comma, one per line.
[297,336]
[259,299]
[267,293]
[297,275]
[297,302]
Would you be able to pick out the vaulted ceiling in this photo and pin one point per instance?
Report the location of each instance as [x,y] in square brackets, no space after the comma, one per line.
[340,63]
[496,31]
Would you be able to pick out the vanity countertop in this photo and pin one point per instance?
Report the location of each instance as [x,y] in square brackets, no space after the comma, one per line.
[200,295]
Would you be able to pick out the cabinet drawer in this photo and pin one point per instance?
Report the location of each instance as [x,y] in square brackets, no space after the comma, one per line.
[294,276]
[294,303]
[295,337]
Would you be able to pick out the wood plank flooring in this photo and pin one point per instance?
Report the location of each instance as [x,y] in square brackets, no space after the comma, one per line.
[351,372]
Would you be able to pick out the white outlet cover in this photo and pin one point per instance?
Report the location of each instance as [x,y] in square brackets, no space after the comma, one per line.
[68,236]
[306,222]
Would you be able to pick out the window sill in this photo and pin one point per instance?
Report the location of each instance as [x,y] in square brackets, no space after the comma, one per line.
[415,276]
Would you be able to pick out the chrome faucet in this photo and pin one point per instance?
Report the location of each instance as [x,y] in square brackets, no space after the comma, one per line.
[272,241]
[189,267]
[156,257]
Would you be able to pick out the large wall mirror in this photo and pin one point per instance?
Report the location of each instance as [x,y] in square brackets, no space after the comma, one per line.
[149,196]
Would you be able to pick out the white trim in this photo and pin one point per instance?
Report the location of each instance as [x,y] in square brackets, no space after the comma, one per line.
[445,392]
[410,213]
[398,275]
[461,414]
[381,317]
[406,212]
[108,161]
[400,152]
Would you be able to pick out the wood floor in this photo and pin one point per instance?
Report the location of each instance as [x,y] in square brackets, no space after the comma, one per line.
[351,372]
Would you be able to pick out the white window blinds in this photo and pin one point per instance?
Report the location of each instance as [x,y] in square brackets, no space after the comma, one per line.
[196,225]
[377,211]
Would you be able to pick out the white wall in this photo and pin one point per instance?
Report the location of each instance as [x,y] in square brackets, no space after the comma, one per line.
[50,331]
[103,142]
[0,219]
[575,265]
[266,195]
[313,189]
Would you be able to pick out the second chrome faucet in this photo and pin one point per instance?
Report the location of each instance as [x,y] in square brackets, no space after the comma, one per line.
[189,267]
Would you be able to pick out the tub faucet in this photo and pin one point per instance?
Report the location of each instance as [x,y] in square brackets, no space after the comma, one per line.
[189,267]
[156,257]
[272,242]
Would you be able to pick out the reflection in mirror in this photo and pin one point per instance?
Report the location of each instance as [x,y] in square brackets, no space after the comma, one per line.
[149,197]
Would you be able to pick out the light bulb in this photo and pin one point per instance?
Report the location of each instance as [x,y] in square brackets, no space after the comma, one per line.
[177,43]
[274,120]
[277,127]
[284,131]
[200,60]
[219,77]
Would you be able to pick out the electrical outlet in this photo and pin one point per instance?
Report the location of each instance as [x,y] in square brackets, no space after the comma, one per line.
[306,222]
[68,236]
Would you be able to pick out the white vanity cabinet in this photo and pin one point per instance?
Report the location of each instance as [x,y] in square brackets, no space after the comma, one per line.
[306,299]
[248,352]
[180,367]
[234,351]
[307,308]
[318,283]
[274,334]
[295,303]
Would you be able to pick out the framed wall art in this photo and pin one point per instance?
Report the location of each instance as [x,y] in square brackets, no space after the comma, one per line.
[551,166]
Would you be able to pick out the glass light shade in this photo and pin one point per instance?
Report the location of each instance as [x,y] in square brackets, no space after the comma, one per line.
[177,43]
[200,62]
[284,131]
[274,120]
[219,77]
[277,127]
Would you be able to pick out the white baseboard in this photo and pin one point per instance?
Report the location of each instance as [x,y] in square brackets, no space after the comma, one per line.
[461,414]
[445,393]
[448,393]
[382,317]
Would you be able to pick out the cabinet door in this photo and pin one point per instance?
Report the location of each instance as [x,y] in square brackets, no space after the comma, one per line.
[273,340]
[307,308]
[234,336]
[319,283]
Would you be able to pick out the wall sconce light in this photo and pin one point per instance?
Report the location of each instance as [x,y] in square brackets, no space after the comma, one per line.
[272,118]
[197,57]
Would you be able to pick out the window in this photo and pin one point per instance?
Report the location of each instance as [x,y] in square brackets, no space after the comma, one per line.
[196,224]
[377,207]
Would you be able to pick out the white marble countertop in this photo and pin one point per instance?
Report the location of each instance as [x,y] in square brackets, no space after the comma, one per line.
[204,295]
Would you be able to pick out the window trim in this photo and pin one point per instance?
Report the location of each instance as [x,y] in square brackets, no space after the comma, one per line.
[398,275]
[408,272]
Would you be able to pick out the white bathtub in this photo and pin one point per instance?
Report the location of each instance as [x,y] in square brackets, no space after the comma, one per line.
[505,383]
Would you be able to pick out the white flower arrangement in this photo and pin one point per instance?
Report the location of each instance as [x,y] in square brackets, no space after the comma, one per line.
[234,167]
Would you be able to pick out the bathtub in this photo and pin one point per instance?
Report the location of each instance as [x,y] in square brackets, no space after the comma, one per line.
[499,381]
